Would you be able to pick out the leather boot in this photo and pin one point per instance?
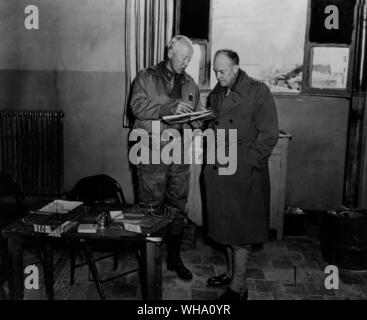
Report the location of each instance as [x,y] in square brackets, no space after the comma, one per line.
[174,261]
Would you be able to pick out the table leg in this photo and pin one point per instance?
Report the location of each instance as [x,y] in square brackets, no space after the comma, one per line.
[4,257]
[158,272]
[73,252]
[153,270]
[49,272]
[16,257]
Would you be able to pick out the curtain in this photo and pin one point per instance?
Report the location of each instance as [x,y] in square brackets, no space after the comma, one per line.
[148,28]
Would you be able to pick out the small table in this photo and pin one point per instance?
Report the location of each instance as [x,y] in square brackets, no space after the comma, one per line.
[17,232]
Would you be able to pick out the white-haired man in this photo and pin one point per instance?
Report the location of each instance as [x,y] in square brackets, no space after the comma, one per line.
[161,90]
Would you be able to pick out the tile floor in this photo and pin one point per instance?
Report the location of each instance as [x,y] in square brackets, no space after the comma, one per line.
[270,274]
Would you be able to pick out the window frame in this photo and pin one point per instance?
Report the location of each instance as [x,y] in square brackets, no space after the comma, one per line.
[308,58]
[205,59]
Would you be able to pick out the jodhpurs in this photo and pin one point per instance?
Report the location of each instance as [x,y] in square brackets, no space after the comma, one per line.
[166,187]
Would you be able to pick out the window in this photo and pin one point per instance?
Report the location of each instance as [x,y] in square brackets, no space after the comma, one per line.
[329,67]
[269,37]
[293,46]
[198,65]
[329,47]
[193,21]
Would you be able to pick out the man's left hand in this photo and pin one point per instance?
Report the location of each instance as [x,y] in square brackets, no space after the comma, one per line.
[197,124]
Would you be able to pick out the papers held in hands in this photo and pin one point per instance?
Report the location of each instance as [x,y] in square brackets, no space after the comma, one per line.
[187,117]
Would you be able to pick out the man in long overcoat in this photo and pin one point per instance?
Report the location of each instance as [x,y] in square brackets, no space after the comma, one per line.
[238,205]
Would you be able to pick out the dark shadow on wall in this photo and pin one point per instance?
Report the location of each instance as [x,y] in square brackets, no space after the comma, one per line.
[133,172]
[128,117]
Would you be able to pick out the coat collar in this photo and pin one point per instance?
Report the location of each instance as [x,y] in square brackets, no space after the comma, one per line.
[241,81]
[161,70]
[237,92]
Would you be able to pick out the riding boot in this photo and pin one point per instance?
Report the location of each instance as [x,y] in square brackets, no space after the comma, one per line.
[174,261]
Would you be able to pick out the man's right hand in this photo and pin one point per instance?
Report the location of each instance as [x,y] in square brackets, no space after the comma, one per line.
[183,107]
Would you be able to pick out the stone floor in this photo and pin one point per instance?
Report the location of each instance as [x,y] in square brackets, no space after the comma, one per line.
[292,269]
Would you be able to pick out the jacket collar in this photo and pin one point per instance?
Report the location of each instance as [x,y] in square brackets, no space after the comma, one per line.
[161,70]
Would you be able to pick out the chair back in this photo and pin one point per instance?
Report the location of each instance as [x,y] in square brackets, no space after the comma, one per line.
[97,189]
[12,203]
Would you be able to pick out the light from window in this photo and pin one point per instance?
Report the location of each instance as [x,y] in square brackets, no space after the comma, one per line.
[329,67]
[269,37]
[193,68]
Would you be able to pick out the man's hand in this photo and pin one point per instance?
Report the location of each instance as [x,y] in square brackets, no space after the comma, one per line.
[197,124]
[183,107]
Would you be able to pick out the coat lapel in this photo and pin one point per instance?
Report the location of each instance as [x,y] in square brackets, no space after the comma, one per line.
[236,96]
[232,101]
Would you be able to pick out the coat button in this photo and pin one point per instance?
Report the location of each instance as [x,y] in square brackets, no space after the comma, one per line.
[230,120]
[217,123]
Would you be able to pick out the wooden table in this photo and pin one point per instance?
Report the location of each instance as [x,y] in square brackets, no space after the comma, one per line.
[17,233]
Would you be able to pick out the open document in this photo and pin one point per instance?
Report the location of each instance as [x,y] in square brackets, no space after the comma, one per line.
[187,117]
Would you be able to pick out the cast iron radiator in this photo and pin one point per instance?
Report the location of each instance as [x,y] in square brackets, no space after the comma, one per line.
[32,150]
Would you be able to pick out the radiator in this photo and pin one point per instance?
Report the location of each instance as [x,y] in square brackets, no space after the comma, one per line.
[32,150]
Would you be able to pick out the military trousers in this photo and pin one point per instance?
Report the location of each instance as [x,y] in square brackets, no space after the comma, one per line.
[165,188]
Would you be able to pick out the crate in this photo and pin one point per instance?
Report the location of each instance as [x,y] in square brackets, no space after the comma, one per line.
[189,236]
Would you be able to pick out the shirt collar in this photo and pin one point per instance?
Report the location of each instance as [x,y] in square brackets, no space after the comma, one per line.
[164,72]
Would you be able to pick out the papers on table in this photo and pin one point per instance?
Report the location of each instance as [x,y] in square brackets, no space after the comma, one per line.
[87,228]
[117,215]
[131,216]
[60,206]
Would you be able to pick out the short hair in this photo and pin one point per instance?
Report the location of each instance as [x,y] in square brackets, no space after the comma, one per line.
[179,38]
[230,54]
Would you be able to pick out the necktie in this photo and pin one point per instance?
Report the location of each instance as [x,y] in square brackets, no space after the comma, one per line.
[176,91]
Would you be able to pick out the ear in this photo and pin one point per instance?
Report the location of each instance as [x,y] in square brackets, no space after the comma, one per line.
[236,68]
[170,53]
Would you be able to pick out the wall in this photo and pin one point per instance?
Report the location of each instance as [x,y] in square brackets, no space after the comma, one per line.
[317,151]
[75,63]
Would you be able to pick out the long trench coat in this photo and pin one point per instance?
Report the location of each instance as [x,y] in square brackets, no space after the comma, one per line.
[238,205]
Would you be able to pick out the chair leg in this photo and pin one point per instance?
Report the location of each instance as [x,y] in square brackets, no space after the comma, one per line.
[139,255]
[93,269]
[3,295]
[72,266]
[115,261]
[39,255]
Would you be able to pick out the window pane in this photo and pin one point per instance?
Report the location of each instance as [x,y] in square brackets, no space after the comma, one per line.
[329,67]
[268,35]
[193,68]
